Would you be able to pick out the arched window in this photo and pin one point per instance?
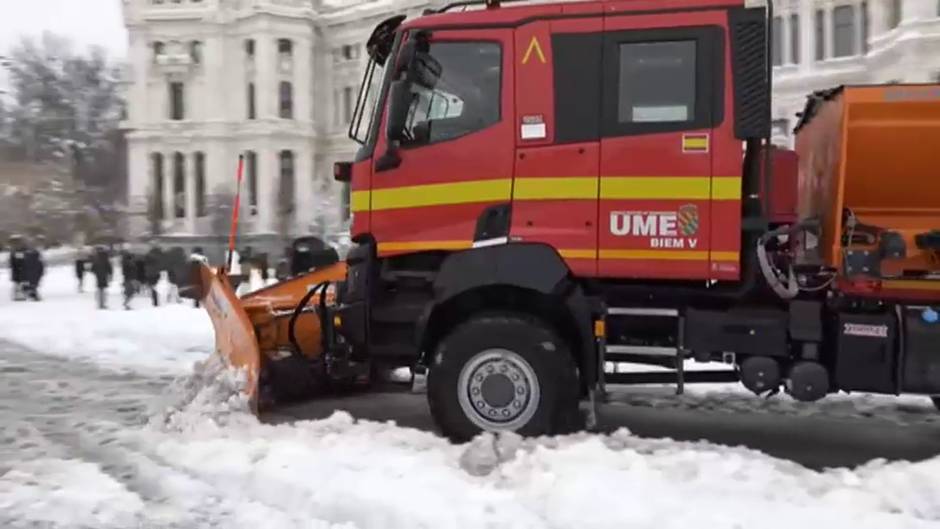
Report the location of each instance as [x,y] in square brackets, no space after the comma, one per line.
[156,190]
[179,185]
[286,100]
[200,184]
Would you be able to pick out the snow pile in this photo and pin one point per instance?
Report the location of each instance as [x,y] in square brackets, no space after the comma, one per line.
[375,475]
[213,392]
[64,493]
[378,475]
[168,339]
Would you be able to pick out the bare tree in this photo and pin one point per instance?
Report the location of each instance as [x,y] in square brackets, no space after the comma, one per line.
[64,114]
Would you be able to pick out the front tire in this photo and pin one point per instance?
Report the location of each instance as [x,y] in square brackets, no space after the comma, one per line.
[503,373]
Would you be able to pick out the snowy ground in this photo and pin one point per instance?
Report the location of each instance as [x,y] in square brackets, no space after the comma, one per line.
[95,432]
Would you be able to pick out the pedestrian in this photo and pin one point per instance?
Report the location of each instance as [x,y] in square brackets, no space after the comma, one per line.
[18,267]
[175,268]
[129,273]
[81,264]
[35,269]
[103,271]
[153,268]
[196,256]
[263,265]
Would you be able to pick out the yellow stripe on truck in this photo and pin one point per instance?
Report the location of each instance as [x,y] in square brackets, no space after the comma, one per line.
[656,187]
[359,201]
[417,246]
[555,188]
[561,188]
[666,255]
[441,194]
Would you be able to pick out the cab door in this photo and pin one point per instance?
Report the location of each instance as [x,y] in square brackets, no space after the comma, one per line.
[455,162]
[662,100]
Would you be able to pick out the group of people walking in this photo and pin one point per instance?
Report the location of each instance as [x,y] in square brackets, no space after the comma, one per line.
[140,272]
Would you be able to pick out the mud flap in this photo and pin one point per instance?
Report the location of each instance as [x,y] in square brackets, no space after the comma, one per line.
[235,340]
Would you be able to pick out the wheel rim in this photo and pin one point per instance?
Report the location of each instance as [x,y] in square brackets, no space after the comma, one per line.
[498,390]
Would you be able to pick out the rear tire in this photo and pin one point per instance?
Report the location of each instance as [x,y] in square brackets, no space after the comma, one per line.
[503,373]
[936,401]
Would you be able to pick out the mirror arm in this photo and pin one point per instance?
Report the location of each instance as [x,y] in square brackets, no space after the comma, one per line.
[390,160]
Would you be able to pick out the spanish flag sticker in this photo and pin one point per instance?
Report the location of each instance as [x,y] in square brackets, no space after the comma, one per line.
[695,143]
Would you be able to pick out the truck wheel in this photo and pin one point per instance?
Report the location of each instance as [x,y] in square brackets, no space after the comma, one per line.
[503,373]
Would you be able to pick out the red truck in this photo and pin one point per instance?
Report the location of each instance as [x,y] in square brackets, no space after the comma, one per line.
[544,189]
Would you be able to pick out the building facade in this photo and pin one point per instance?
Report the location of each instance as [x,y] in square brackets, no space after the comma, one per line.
[276,81]
[821,44]
[272,81]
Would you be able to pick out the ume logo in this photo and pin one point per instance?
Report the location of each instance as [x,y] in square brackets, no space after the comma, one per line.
[664,229]
[644,223]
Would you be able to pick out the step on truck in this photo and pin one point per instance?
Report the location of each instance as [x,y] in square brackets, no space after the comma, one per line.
[545,190]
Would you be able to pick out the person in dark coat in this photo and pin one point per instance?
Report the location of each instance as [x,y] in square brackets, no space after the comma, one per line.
[175,269]
[129,271]
[153,267]
[34,269]
[81,265]
[17,267]
[197,255]
[102,270]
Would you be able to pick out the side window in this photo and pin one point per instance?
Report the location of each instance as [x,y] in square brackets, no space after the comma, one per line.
[663,80]
[465,98]
[657,82]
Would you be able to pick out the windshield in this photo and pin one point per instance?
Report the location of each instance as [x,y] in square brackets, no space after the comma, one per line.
[366,104]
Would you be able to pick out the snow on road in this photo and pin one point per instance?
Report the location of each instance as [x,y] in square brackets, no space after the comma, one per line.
[147,339]
[95,433]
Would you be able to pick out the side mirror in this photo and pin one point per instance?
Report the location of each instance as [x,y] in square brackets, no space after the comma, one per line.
[399,103]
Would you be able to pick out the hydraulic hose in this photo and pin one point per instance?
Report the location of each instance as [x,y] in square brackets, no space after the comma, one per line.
[291,335]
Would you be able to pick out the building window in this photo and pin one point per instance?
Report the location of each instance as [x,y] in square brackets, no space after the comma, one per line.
[820,35]
[177,109]
[777,47]
[894,13]
[200,184]
[195,51]
[286,100]
[348,52]
[250,48]
[157,190]
[251,100]
[843,31]
[286,183]
[347,104]
[179,185]
[157,50]
[795,39]
[251,163]
[285,47]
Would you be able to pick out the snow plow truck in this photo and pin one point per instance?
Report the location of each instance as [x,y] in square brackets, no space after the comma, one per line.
[544,190]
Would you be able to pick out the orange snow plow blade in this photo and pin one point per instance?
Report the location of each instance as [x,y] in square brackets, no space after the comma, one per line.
[253,331]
